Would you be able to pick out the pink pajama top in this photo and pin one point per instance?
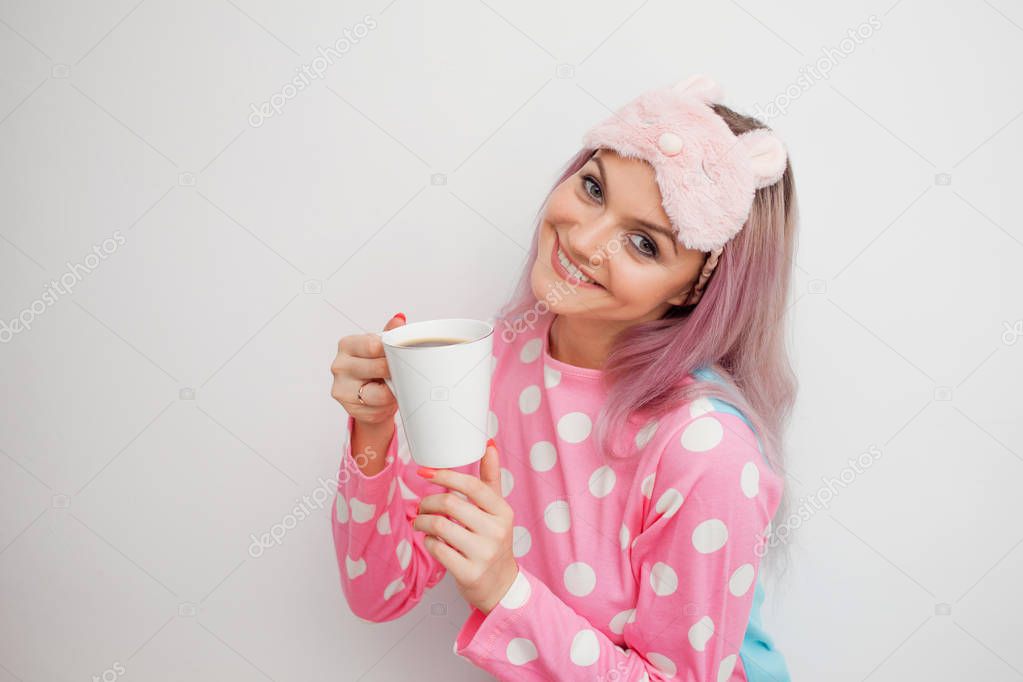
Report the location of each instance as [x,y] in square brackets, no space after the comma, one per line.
[638,568]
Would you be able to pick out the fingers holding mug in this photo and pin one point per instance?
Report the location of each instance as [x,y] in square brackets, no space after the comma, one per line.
[360,370]
[374,393]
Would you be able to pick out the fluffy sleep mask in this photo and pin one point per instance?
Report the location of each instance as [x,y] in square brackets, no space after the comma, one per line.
[707,175]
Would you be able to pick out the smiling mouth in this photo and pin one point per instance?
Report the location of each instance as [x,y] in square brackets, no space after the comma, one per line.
[568,270]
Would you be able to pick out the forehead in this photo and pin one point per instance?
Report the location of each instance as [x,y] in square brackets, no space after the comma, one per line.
[632,187]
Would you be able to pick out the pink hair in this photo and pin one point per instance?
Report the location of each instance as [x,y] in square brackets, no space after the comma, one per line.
[737,328]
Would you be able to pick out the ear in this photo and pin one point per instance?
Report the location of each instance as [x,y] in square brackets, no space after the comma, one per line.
[700,86]
[767,155]
[681,297]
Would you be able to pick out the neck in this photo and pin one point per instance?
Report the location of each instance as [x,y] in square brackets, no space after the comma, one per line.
[581,342]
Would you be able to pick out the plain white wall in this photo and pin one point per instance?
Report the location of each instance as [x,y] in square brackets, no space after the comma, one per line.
[176,401]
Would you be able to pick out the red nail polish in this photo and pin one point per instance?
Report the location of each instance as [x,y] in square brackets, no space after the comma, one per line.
[402,316]
[490,442]
[426,472]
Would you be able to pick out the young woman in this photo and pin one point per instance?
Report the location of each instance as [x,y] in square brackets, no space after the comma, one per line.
[614,528]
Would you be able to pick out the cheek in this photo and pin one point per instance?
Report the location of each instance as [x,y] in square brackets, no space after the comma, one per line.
[563,206]
[639,283]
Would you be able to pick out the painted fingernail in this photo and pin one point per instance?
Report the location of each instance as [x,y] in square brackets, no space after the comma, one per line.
[426,472]
[401,315]
[491,442]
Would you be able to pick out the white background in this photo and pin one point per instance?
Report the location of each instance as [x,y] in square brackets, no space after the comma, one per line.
[177,400]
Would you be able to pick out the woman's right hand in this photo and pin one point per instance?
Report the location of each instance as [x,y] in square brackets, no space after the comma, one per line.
[360,359]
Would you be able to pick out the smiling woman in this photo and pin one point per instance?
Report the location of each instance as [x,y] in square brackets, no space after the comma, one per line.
[615,529]
[607,221]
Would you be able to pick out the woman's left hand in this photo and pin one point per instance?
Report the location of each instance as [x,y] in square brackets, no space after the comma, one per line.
[478,553]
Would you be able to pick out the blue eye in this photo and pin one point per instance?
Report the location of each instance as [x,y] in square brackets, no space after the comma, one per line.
[589,181]
[652,253]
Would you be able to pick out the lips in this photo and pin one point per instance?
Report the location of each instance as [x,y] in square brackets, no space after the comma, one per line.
[565,274]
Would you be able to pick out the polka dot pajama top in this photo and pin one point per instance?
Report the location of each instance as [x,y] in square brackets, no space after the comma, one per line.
[639,568]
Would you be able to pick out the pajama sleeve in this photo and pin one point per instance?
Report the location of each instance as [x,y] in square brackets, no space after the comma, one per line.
[384,565]
[694,558]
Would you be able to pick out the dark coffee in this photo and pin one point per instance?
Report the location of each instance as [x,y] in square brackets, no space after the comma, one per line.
[432,341]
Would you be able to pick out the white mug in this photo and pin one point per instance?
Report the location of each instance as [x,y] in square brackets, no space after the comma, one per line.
[443,392]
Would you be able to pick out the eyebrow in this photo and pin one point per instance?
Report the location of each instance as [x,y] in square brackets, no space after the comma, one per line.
[650,226]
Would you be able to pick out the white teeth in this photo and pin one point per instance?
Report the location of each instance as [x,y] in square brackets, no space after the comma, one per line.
[572,268]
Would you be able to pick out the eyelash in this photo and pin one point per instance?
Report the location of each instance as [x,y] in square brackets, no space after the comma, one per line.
[653,245]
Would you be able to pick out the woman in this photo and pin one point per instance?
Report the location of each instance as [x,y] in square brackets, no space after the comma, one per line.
[640,387]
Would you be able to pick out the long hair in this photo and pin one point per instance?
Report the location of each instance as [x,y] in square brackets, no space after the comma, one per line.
[737,328]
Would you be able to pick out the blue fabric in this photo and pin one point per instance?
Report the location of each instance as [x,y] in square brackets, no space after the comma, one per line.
[761,660]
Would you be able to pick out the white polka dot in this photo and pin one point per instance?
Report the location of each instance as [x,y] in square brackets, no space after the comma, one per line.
[602,481]
[749,480]
[557,517]
[669,502]
[551,377]
[643,678]
[518,594]
[390,490]
[574,427]
[710,536]
[621,619]
[726,667]
[507,482]
[406,492]
[529,399]
[531,350]
[520,651]
[701,632]
[647,486]
[361,511]
[700,407]
[585,648]
[662,663]
[341,509]
[354,568]
[404,553]
[663,579]
[644,435]
[580,578]
[741,580]
[543,455]
[521,541]
[393,588]
[384,524]
[623,536]
[702,434]
[491,424]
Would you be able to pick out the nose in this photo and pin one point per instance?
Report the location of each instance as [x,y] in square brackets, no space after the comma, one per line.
[586,242]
